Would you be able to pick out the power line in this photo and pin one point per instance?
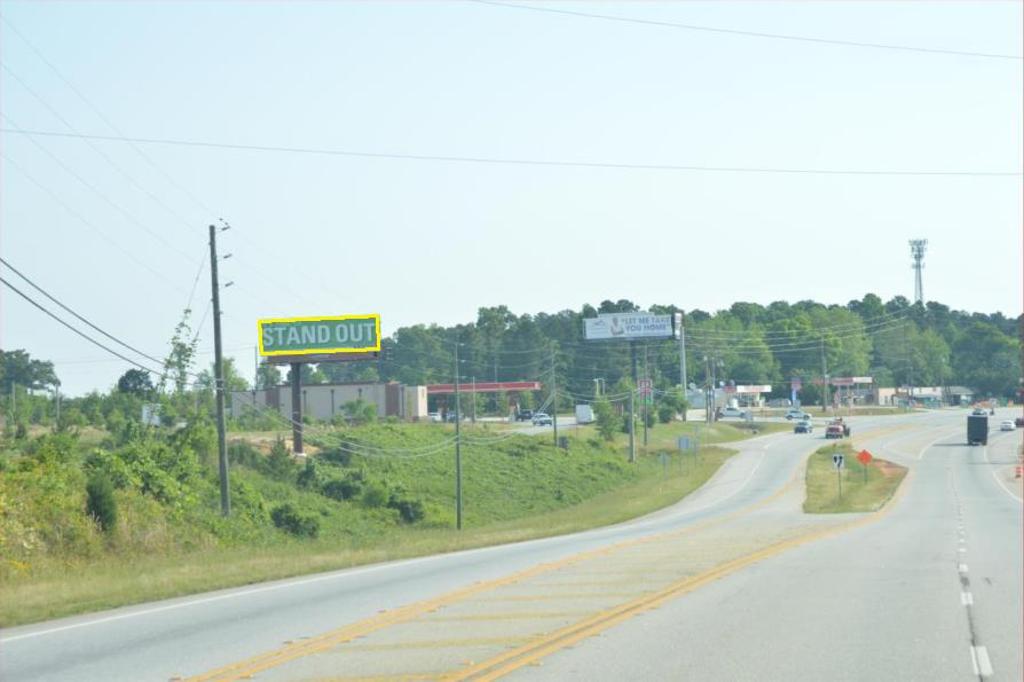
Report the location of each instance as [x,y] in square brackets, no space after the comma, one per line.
[76,315]
[517,162]
[77,331]
[754,34]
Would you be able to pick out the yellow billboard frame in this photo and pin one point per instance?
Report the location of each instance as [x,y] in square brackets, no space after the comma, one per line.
[318,318]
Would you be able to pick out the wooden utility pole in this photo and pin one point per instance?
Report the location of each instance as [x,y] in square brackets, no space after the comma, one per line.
[218,373]
[554,398]
[458,446]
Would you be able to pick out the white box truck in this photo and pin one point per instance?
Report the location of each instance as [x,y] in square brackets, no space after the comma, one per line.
[585,414]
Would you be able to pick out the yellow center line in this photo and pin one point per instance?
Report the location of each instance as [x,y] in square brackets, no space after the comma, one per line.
[293,650]
[537,649]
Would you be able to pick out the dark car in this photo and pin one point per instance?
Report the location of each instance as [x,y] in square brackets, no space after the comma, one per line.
[524,415]
[1019,421]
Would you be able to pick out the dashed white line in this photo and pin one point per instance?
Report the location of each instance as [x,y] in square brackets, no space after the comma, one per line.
[963,568]
[966,598]
[980,661]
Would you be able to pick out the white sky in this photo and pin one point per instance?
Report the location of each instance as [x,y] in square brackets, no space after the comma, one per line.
[428,241]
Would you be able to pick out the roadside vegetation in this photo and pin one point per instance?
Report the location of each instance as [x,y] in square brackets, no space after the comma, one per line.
[117,518]
[864,489]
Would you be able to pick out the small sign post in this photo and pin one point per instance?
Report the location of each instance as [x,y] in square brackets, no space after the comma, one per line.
[864,457]
[837,462]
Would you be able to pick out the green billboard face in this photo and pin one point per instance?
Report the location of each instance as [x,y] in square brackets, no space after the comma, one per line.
[319,335]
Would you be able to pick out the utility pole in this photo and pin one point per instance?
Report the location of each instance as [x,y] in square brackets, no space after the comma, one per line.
[824,379]
[647,395]
[682,363]
[218,372]
[56,395]
[707,390]
[632,421]
[458,447]
[554,397]
[474,401]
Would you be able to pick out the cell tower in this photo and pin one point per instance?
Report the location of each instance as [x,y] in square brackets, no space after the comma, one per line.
[917,248]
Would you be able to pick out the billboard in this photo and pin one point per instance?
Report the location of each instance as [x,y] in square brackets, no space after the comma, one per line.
[323,335]
[628,326]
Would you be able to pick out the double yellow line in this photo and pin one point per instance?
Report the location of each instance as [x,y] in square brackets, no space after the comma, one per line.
[531,651]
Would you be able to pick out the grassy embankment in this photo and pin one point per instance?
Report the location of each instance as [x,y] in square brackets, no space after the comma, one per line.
[515,488]
[883,478]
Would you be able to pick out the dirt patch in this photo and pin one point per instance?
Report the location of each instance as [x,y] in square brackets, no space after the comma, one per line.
[887,468]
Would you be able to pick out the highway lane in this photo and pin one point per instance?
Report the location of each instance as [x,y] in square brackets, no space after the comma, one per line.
[189,636]
[931,591]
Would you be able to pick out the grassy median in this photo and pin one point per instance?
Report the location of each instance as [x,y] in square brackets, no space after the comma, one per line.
[864,488]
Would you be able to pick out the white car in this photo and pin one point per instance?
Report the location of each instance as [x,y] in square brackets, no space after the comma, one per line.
[541,419]
[733,412]
[799,415]
[1007,425]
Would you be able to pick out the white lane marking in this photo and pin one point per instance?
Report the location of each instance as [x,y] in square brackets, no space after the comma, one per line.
[980,661]
[962,549]
[966,598]
[963,568]
[999,480]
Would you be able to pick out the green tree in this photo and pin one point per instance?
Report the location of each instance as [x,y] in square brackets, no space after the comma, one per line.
[136,382]
[17,367]
[607,424]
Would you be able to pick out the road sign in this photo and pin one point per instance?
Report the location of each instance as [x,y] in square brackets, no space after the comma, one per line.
[864,457]
[684,443]
[645,387]
[340,334]
[837,461]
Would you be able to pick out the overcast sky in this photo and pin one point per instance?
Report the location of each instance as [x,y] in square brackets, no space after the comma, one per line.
[118,232]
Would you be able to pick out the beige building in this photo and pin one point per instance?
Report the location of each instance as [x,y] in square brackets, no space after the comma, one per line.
[324,401]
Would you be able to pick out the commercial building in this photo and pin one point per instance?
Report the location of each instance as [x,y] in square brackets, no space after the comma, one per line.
[325,401]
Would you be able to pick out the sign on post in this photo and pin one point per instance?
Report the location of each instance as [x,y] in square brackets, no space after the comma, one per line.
[864,457]
[629,326]
[684,443]
[327,335]
[837,461]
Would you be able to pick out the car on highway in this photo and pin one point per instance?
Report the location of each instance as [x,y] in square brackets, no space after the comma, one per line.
[542,419]
[1019,421]
[434,416]
[733,412]
[804,426]
[799,415]
[524,416]
[834,431]
[1007,425]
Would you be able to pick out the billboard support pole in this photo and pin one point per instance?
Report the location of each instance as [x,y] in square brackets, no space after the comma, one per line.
[647,395]
[554,398]
[297,408]
[218,374]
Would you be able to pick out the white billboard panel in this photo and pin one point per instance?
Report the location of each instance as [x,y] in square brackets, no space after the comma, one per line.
[628,326]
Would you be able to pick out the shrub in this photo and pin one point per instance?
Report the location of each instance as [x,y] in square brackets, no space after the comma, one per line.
[279,462]
[342,488]
[337,454]
[375,495]
[289,519]
[666,413]
[309,477]
[410,511]
[100,502]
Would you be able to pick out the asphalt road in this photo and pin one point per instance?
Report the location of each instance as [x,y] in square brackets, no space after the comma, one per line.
[732,583]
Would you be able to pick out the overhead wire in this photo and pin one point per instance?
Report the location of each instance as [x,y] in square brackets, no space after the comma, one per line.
[48,295]
[78,331]
[546,163]
[752,34]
